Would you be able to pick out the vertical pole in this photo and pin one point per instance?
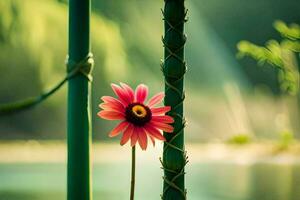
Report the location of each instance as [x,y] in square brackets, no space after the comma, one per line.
[79,120]
[174,67]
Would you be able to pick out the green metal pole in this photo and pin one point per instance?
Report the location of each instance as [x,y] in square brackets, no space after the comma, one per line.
[79,119]
[174,67]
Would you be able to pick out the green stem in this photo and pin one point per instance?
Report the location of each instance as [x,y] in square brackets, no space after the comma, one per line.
[132,183]
[17,106]
[174,67]
[79,119]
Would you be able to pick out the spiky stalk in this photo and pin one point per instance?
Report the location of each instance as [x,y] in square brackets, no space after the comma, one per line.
[174,67]
[79,126]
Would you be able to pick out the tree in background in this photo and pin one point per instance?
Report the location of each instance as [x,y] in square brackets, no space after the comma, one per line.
[283,55]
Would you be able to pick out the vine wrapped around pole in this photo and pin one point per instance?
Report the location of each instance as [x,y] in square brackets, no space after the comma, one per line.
[79,119]
[174,68]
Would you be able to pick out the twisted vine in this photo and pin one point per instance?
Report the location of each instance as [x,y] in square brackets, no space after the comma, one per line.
[174,68]
[84,67]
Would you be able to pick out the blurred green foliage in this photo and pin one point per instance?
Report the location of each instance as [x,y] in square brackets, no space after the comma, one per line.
[291,32]
[279,54]
[240,139]
[286,139]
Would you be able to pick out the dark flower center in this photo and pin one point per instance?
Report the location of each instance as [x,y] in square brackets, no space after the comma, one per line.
[138,114]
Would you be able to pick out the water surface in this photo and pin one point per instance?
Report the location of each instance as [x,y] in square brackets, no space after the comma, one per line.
[210,180]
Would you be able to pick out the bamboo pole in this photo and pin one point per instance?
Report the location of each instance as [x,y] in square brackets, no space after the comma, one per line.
[79,120]
[174,67]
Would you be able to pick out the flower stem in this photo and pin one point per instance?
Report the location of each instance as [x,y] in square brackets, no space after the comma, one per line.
[132,173]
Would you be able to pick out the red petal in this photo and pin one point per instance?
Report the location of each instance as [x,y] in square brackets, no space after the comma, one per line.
[121,93]
[142,138]
[165,127]
[129,91]
[112,100]
[152,131]
[119,128]
[111,115]
[163,119]
[160,110]
[112,107]
[141,93]
[134,137]
[156,99]
[152,139]
[127,134]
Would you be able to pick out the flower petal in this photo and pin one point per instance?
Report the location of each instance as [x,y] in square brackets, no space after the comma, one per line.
[152,139]
[152,131]
[127,134]
[112,107]
[134,136]
[119,128]
[156,99]
[112,100]
[160,110]
[142,138]
[111,115]
[141,93]
[163,119]
[121,93]
[162,126]
[129,91]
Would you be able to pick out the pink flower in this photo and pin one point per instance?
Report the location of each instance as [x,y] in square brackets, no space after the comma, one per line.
[140,121]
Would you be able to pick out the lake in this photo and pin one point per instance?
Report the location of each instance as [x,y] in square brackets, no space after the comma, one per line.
[206,179]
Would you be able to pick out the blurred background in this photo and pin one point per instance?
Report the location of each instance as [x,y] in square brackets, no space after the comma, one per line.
[243,130]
